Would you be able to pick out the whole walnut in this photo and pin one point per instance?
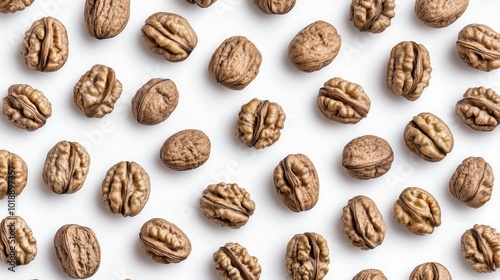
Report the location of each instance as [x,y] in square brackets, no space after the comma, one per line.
[155,101]
[185,150]
[472,182]
[430,270]
[106,18]
[479,109]
[307,257]
[13,174]
[202,3]
[17,244]
[279,7]
[233,262]
[372,15]
[481,248]
[440,13]
[478,46]
[370,274]
[12,6]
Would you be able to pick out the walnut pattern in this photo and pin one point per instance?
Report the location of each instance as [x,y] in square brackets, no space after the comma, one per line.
[185,150]
[370,274]
[15,233]
[106,18]
[279,7]
[233,262]
[307,257]
[479,47]
[472,182]
[372,15]
[440,13]
[481,248]
[479,109]
[13,174]
[430,270]
[155,101]
[12,6]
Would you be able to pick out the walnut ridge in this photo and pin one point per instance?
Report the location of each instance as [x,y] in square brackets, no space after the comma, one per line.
[372,15]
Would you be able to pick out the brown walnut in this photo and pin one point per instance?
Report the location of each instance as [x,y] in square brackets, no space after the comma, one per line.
[233,262]
[440,13]
[479,47]
[12,6]
[481,248]
[13,174]
[202,3]
[106,18]
[185,150]
[372,15]
[16,234]
[472,182]
[279,7]
[155,101]
[307,257]
[370,274]
[430,270]
[479,109]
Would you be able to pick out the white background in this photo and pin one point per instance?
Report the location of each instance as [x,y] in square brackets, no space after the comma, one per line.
[210,107]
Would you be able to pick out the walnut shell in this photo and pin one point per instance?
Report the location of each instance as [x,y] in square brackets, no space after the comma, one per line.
[472,182]
[155,101]
[409,70]
[77,250]
[233,262]
[428,137]
[16,234]
[307,257]
[185,150]
[227,205]
[66,167]
[97,91]
[440,13]
[12,6]
[13,174]
[362,223]
[279,7]
[314,47]
[479,47]
[45,45]
[202,3]
[26,107]
[417,210]
[479,109]
[259,123]
[169,35]
[481,248]
[343,101]
[430,270]
[370,274]
[372,15]
[296,182]
[106,18]
[235,63]
[164,242]
[126,188]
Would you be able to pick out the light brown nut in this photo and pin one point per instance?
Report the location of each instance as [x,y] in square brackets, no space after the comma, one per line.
[227,205]
[479,109]
[307,257]
[45,45]
[164,242]
[169,35]
[428,137]
[417,210]
[126,188]
[17,243]
[202,3]
[440,13]
[26,107]
[362,223]
[409,70]
[479,47]
[233,262]
[185,150]
[66,167]
[343,101]
[367,157]
[430,270]
[372,15]
[279,7]
[259,123]
[235,63]
[97,91]
[472,182]
[481,248]
[370,274]
[12,6]
[13,174]
[77,250]
[314,47]
[296,182]
[106,18]
[155,101]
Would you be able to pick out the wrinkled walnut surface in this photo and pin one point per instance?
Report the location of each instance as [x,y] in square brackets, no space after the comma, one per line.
[106,18]
[13,174]
[155,101]
[307,257]
[185,150]
[481,248]
[472,182]
[479,47]
[279,7]
[12,6]
[370,274]
[15,233]
[430,270]
[233,262]
[440,13]
[479,109]
[202,3]
[372,15]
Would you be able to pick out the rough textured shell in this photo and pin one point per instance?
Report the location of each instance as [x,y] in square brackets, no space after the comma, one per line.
[169,35]
[126,188]
[479,109]
[472,182]
[417,210]
[45,45]
[202,3]
[77,250]
[164,242]
[13,174]
[440,13]
[481,248]
[428,137]
[343,101]
[370,274]
[233,262]
[66,167]
[235,63]
[367,157]
[97,91]
[12,6]
[23,241]
[307,257]
[185,150]
[279,7]
[26,107]
[314,47]
[409,70]
[106,18]
[227,205]
[259,123]
[296,182]
[479,47]
[372,15]
[155,101]
[430,270]
[363,223]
